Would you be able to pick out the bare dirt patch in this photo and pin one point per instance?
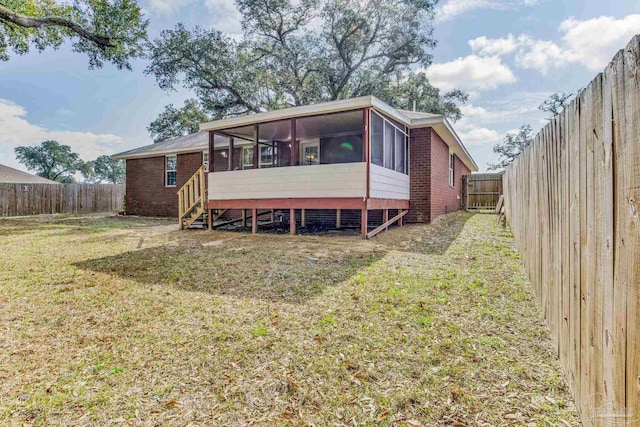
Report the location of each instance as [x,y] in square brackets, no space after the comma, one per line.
[108,320]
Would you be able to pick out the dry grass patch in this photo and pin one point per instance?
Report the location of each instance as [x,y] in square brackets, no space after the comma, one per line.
[109,320]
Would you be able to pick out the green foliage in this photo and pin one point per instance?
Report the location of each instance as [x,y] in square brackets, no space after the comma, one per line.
[104,168]
[50,160]
[105,30]
[361,48]
[174,122]
[556,103]
[512,145]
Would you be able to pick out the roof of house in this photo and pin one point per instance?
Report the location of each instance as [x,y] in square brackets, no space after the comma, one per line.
[412,119]
[15,176]
[193,142]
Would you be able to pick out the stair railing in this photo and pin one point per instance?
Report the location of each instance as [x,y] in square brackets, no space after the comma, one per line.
[190,194]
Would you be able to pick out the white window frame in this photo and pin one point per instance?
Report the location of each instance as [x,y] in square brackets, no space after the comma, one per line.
[452,163]
[309,143]
[205,160]
[244,149]
[167,171]
[273,150]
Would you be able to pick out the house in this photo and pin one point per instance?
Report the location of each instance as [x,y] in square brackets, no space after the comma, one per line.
[348,162]
[15,176]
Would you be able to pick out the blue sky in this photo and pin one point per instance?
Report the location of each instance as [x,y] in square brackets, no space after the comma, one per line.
[508,54]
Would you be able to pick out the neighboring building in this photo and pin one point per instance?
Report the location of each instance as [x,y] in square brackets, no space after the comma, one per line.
[15,176]
[353,161]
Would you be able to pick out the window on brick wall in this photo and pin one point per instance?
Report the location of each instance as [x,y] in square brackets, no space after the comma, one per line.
[452,163]
[170,169]
[205,161]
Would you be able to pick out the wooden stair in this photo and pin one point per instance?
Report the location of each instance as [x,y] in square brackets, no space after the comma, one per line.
[192,201]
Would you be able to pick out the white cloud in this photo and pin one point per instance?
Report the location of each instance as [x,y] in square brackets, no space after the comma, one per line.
[167,6]
[592,43]
[540,55]
[471,73]
[595,41]
[15,130]
[227,17]
[453,8]
[479,136]
[489,47]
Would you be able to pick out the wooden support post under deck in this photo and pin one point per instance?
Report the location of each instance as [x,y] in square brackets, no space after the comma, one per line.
[385,216]
[244,218]
[364,222]
[272,217]
[254,221]
[400,221]
[338,214]
[210,219]
[303,219]
[292,221]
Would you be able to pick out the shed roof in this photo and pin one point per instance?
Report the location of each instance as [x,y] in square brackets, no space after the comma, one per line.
[15,176]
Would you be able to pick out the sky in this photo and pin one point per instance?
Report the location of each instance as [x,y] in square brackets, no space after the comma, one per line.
[509,55]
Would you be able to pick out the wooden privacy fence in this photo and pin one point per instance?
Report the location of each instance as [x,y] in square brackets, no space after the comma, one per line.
[35,199]
[481,190]
[572,202]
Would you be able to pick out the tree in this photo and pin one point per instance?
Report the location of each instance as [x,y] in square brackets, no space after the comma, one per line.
[104,168]
[105,30]
[512,145]
[556,103]
[363,48]
[174,122]
[50,160]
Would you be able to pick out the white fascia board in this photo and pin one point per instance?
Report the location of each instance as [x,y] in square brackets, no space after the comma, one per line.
[307,110]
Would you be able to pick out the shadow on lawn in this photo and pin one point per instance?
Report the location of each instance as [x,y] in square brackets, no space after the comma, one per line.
[270,270]
[276,268]
[436,238]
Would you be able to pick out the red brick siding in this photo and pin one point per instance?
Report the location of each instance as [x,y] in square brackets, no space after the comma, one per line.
[146,193]
[443,197]
[419,175]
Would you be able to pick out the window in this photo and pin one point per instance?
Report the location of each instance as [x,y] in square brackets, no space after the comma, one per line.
[377,140]
[389,137]
[247,158]
[266,157]
[399,151]
[452,162]
[205,161]
[311,153]
[170,171]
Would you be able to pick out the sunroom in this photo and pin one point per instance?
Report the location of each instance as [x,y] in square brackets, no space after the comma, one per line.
[341,156]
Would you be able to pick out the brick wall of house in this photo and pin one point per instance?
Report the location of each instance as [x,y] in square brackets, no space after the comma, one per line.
[419,175]
[146,193]
[444,198]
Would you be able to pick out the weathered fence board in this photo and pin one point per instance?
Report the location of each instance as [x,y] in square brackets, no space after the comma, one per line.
[35,199]
[481,190]
[571,199]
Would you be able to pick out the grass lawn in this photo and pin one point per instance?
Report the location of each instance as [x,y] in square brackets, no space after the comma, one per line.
[111,320]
